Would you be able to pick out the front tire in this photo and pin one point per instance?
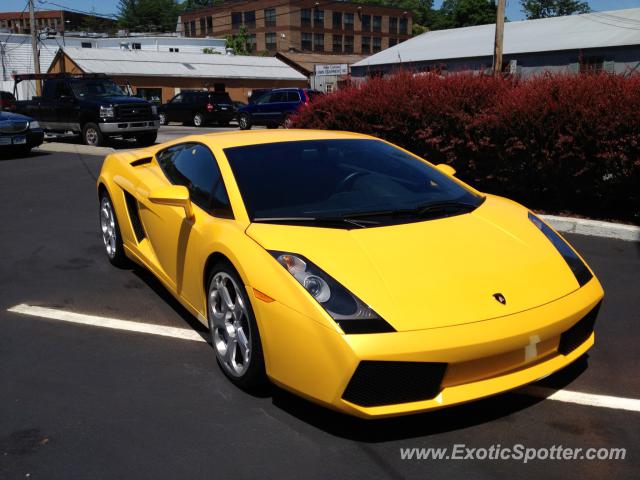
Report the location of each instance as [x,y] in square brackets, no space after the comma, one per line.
[92,136]
[110,232]
[244,121]
[234,332]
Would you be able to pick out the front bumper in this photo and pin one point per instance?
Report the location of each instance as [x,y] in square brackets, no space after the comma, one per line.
[482,358]
[32,138]
[129,127]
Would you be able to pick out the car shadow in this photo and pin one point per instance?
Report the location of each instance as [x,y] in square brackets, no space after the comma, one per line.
[115,143]
[9,155]
[385,429]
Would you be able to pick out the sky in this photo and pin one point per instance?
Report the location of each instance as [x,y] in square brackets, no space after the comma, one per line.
[111,6]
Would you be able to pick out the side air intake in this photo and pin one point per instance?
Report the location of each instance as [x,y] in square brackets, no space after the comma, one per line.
[134,216]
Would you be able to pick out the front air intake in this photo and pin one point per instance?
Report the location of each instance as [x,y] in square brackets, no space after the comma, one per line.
[376,383]
[579,332]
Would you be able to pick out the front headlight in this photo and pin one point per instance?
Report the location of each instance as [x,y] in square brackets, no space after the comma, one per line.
[34,124]
[154,109]
[575,263]
[344,307]
[106,112]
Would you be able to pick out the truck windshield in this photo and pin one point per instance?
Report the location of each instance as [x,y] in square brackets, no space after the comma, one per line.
[95,88]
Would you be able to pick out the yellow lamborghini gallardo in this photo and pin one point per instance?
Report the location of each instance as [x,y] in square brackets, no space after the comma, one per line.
[348,270]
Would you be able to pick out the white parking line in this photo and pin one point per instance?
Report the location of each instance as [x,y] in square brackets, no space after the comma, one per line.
[106,322]
[590,399]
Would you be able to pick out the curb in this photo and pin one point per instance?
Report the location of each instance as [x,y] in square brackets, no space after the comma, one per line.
[594,228]
[60,147]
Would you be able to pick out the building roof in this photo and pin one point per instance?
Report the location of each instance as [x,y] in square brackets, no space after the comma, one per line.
[306,62]
[163,64]
[591,30]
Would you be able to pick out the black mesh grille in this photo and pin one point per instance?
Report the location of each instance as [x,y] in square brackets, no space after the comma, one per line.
[578,333]
[387,383]
[133,112]
[134,215]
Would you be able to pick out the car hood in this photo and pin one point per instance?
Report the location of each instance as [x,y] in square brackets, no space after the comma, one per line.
[115,100]
[439,272]
[13,117]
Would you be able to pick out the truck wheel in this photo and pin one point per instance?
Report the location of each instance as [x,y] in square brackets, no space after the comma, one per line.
[198,120]
[92,136]
[146,139]
[163,118]
[244,121]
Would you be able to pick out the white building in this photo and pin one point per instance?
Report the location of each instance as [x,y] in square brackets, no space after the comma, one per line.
[16,53]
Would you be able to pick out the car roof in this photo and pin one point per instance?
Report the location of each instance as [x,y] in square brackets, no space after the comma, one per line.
[242,138]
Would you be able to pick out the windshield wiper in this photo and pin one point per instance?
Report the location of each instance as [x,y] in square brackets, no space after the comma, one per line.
[321,221]
[420,210]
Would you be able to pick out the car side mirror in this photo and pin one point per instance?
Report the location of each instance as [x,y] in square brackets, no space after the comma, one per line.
[176,196]
[447,169]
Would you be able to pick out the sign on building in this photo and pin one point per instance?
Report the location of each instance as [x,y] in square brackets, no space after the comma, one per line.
[332,69]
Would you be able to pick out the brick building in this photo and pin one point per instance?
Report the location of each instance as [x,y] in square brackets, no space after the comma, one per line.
[58,20]
[303,25]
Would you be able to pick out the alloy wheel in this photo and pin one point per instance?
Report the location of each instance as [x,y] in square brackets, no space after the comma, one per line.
[108,227]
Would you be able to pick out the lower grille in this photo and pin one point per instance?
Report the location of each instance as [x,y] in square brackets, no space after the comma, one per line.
[377,383]
[578,333]
[132,112]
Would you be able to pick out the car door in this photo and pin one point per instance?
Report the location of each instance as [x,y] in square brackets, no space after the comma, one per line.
[171,235]
[260,110]
[172,108]
[276,106]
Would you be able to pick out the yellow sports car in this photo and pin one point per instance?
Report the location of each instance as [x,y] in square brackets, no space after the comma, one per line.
[348,270]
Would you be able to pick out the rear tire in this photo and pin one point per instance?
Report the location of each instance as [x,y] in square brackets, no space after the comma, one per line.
[92,136]
[234,332]
[198,120]
[244,121]
[110,232]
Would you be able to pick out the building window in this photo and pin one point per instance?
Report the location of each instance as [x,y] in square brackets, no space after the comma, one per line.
[306,41]
[305,17]
[348,22]
[393,24]
[591,65]
[337,20]
[270,41]
[366,44]
[209,26]
[318,18]
[192,27]
[377,23]
[404,26]
[236,20]
[377,44]
[250,19]
[318,42]
[337,44]
[366,23]
[174,49]
[270,17]
[136,46]
[348,44]
[251,42]
[393,41]
[86,45]
[185,27]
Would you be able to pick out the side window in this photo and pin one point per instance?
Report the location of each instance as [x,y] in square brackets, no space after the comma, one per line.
[293,97]
[194,166]
[176,99]
[265,98]
[278,97]
[63,90]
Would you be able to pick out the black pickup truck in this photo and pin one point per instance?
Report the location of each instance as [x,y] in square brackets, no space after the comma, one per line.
[92,106]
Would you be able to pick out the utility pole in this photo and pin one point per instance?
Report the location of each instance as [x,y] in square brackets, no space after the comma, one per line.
[497,48]
[34,45]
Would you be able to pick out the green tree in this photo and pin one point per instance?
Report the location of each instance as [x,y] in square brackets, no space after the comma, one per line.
[148,15]
[464,13]
[553,8]
[239,42]
[198,4]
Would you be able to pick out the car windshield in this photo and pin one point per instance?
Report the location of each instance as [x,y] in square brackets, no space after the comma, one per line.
[96,88]
[366,182]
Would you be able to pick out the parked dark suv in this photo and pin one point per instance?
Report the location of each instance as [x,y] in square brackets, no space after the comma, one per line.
[273,108]
[198,108]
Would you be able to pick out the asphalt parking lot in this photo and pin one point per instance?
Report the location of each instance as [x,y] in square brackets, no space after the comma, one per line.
[80,402]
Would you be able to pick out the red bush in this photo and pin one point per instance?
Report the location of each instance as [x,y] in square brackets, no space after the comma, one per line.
[557,143]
